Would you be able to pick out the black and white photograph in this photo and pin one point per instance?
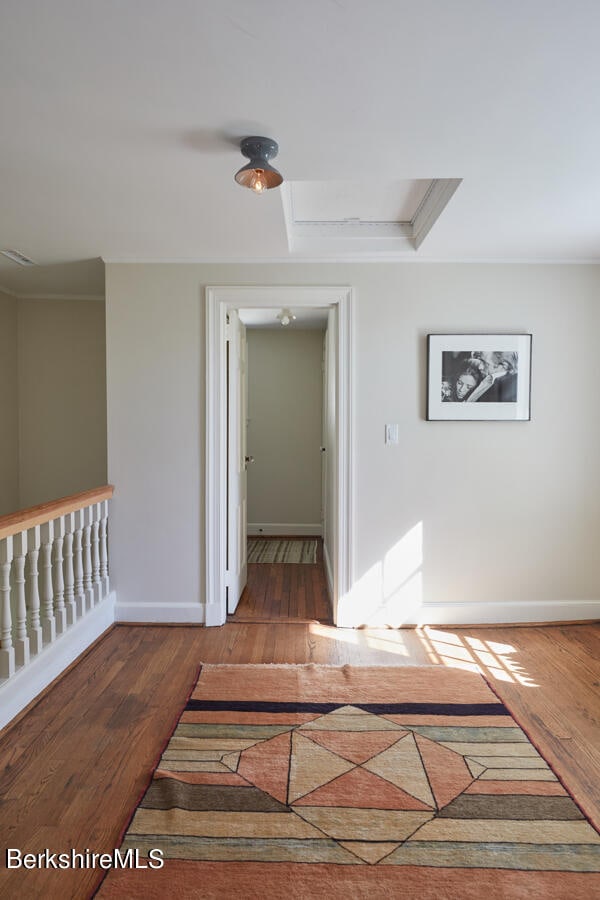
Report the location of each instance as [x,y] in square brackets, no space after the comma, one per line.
[479,377]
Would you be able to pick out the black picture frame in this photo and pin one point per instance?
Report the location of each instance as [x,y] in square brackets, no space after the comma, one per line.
[479,377]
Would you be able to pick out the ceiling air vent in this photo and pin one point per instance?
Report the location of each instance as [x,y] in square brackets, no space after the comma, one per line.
[17,257]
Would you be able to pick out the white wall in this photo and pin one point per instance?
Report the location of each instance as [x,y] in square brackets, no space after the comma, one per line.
[9,421]
[502,517]
[285,400]
[62,398]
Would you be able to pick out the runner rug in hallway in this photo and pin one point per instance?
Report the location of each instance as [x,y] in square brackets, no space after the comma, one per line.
[348,782]
[265,550]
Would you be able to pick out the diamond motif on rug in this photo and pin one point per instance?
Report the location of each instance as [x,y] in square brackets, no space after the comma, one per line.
[360,789]
[356,747]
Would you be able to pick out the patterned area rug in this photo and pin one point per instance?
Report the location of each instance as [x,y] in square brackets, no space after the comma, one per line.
[265,550]
[317,781]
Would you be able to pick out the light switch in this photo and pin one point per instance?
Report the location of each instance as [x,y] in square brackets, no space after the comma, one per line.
[391,434]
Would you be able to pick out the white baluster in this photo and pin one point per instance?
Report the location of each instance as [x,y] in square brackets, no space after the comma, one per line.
[21,636]
[48,621]
[78,563]
[69,572]
[60,613]
[35,630]
[104,547]
[96,585]
[87,557]
[7,651]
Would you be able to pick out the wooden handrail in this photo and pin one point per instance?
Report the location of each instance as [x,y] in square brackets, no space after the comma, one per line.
[15,522]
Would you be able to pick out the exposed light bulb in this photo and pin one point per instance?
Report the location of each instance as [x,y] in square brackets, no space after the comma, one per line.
[258,182]
[285,320]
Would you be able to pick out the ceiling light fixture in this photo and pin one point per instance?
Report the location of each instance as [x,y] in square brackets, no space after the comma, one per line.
[286,316]
[259,175]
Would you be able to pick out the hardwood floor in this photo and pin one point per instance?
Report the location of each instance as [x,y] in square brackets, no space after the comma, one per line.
[285,592]
[73,768]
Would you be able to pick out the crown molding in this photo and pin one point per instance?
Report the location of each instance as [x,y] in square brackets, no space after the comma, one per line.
[350,259]
[431,208]
[43,296]
[61,296]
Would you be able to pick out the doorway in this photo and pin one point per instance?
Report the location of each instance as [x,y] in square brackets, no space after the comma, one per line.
[282,373]
[221,302]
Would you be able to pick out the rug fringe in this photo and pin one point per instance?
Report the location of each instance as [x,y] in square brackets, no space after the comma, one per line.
[319,666]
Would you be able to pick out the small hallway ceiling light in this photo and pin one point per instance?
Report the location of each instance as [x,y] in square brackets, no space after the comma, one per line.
[259,175]
[286,316]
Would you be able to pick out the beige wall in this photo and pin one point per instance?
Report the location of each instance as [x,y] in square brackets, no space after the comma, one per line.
[9,421]
[62,398]
[155,398]
[285,401]
[503,517]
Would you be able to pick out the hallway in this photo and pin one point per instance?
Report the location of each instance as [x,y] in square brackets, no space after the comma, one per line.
[285,592]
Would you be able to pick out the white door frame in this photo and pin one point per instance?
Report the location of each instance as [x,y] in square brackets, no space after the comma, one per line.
[238,466]
[219,299]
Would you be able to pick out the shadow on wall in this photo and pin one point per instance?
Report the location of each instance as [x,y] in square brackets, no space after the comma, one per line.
[390,593]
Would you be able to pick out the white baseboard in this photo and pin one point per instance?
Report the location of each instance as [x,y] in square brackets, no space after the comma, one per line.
[355,615]
[273,529]
[27,683]
[510,612]
[166,613]
[214,615]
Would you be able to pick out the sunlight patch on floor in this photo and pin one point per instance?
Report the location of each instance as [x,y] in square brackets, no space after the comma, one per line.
[344,635]
[493,659]
[390,644]
[387,640]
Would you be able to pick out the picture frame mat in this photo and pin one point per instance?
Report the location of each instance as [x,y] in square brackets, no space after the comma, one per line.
[437,344]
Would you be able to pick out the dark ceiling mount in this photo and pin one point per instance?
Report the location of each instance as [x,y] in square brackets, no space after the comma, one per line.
[259,175]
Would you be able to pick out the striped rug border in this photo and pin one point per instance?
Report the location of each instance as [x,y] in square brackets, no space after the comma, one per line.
[379,709]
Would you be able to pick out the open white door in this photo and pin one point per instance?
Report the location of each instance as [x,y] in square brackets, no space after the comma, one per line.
[237,561]
[331,521]
[324,420]
[221,301]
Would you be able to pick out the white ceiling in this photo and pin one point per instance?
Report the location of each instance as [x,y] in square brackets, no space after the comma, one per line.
[121,121]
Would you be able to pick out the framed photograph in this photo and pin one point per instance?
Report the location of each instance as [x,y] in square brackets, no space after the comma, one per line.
[478,377]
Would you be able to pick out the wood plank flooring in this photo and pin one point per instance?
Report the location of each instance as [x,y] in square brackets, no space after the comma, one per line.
[73,768]
[285,592]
